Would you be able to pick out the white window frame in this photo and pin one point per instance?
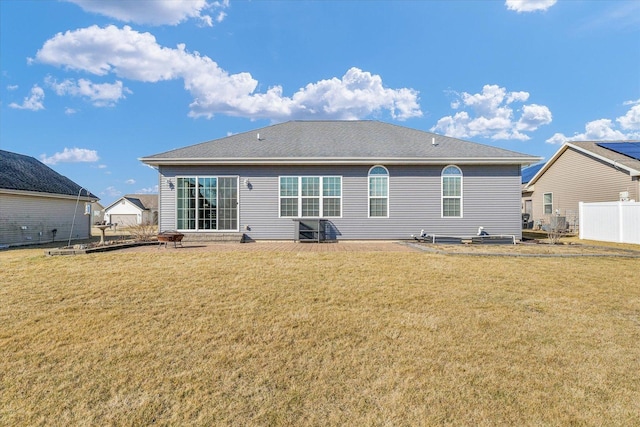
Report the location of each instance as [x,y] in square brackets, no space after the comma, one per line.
[545,204]
[443,197]
[206,230]
[370,197]
[321,197]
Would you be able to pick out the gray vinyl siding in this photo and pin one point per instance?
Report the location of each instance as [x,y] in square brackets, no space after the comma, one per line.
[491,198]
[577,177]
[40,214]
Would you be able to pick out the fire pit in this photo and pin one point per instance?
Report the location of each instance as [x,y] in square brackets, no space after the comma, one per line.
[170,236]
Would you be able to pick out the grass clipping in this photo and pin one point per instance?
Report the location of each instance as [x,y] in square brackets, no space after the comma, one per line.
[263,338]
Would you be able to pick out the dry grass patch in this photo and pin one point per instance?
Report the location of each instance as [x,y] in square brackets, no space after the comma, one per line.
[238,338]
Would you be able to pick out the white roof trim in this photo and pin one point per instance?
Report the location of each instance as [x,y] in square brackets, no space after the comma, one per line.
[49,195]
[126,199]
[343,161]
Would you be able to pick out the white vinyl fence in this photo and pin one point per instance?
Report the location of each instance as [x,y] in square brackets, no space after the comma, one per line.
[610,222]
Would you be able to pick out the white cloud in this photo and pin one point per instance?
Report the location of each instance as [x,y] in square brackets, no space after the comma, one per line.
[33,102]
[158,12]
[70,111]
[71,155]
[100,94]
[533,116]
[631,120]
[137,56]
[605,129]
[616,16]
[529,5]
[148,190]
[111,191]
[130,181]
[493,115]
[12,87]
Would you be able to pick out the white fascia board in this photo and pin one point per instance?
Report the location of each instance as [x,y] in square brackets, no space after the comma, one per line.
[48,195]
[546,166]
[345,161]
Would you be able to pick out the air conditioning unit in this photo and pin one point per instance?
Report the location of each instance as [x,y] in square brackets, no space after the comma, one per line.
[624,196]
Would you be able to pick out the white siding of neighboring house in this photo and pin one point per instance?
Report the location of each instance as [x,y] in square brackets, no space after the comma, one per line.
[125,207]
[576,177]
[41,213]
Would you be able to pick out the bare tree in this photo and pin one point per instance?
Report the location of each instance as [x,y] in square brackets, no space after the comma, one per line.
[144,232]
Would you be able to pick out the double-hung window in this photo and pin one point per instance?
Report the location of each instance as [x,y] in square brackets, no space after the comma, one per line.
[547,202]
[378,192]
[207,203]
[452,192]
[310,196]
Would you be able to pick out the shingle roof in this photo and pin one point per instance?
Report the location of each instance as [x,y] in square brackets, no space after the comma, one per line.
[24,173]
[143,201]
[336,142]
[611,155]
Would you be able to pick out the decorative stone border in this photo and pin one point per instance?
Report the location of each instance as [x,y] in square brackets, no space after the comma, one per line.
[83,249]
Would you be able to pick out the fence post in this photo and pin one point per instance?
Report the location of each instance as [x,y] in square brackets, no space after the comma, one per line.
[580,219]
[621,219]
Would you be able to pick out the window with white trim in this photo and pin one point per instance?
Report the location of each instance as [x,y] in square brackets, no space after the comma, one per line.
[452,192]
[378,192]
[207,203]
[310,196]
[547,203]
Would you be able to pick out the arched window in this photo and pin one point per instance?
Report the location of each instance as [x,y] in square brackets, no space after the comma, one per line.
[378,192]
[452,192]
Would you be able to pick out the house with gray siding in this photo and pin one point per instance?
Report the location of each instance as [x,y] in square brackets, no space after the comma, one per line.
[38,205]
[359,179]
[583,171]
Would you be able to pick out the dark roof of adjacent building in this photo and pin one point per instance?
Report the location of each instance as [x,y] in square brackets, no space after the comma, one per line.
[23,173]
[337,142]
[529,172]
[143,201]
[630,149]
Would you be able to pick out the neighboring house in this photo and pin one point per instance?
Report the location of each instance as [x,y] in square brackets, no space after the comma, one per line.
[364,179]
[97,213]
[133,209]
[39,205]
[527,206]
[582,172]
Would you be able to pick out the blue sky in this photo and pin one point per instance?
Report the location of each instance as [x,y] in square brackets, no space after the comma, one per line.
[88,87]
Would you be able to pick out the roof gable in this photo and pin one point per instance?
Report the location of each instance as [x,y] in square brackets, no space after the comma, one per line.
[144,201]
[306,142]
[24,173]
[140,201]
[593,149]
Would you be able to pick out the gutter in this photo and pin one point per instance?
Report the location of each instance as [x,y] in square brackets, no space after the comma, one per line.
[50,195]
[523,161]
